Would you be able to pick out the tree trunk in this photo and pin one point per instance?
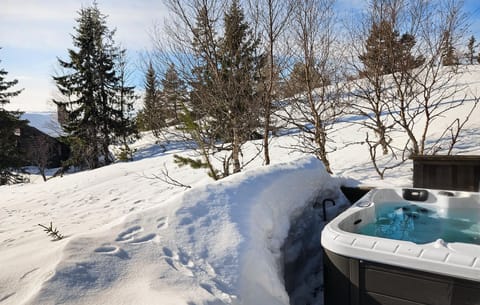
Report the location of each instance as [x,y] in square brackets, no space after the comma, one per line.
[321,139]
[320,134]
[268,101]
[236,150]
[266,150]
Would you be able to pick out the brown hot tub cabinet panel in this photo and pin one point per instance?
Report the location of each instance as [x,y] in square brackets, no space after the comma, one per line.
[447,172]
[350,281]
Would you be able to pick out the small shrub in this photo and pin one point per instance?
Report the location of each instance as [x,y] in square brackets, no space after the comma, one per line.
[52,232]
[126,154]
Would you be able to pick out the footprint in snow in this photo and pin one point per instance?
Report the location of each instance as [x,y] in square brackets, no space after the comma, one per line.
[129,233]
[208,288]
[167,252]
[9,240]
[3,298]
[26,274]
[209,269]
[144,239]
[184,259]
[178,262]
[185,221]
[217,292]
[162,223]
[112,250]
[106,249]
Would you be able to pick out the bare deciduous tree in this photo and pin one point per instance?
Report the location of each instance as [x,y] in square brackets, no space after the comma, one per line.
[430,90]
[40,153]
[316,109]
[415,89]
[374,45]
[453,131]
[271,18]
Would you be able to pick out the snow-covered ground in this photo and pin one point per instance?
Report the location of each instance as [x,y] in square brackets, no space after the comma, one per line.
[130,238]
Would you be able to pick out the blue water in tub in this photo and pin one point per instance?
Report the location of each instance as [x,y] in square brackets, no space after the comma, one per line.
[405,221]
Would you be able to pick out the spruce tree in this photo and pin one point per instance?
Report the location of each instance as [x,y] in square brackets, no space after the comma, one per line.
[173,93]
[11,157]
[387,52]
[404,60]
[296,81]
[200,120]
[449,57]
[153,114]
[379,49]
[240,71]
[225,84]
[205,72]
[125,129]
[471,50]
[92,88]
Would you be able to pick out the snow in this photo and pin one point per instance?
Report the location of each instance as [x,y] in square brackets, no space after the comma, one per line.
[130,238]
[216,242]
[46,122]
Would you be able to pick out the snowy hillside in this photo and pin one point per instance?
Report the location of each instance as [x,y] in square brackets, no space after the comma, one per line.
[44,121]
[132,239]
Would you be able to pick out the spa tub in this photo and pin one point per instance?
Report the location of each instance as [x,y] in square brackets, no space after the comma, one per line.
[404,247]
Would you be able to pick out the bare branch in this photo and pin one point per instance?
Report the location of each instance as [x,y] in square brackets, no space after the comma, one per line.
[165,177]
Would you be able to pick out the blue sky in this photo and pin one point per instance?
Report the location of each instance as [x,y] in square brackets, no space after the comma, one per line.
[33,33]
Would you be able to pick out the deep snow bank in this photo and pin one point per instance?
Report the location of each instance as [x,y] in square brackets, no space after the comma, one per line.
[288,190]
[215,244]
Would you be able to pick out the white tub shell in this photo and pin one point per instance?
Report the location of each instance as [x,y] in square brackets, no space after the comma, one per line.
[455,259]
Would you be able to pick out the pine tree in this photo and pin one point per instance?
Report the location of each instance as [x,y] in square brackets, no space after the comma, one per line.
[126,129]
[11,157]
[205,72]
[153,113]
[4,86]
[296,81]
[449,58]
[240,72]
[404,60]
[225,83]
[91,88]
[201,119]
[387,52]
[379,49]
[173,93]
[471,50]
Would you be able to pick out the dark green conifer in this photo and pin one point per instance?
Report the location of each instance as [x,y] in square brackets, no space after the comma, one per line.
[387,52]
[126,129]
[173,93]
[11,156]
[296,81]
[241,66]
[94,93]
[225,100]
[153,114]
[449,56]
[471,46]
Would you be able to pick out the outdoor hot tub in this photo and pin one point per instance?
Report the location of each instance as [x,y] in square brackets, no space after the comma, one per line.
[404,247]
